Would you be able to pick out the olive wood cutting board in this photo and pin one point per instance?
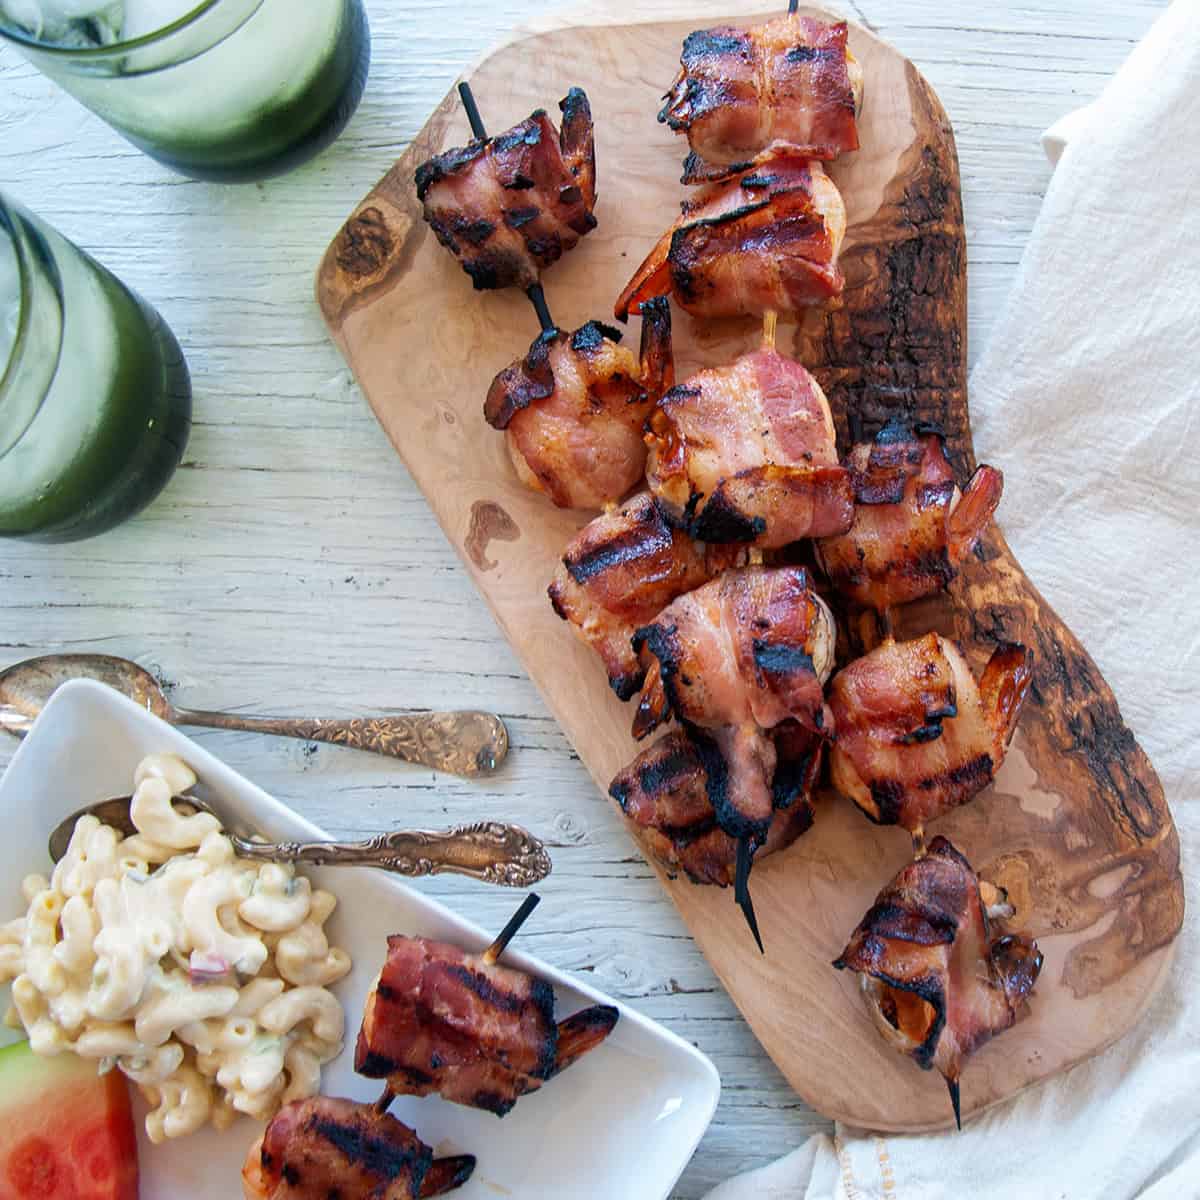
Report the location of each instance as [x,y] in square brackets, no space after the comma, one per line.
[1075,825]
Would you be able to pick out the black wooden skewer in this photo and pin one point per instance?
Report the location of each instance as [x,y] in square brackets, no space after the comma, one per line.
[506,935]
[741,888]
[490,955]
[952,1085]
[537,297]
[468,102]
[793,5]
[854,424]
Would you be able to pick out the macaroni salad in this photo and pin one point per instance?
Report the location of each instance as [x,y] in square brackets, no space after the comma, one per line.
[202,976]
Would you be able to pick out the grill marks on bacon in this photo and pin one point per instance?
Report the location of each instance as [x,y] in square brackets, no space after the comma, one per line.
[747,453]
[444,1021]
[322,1147]
[916,735]
[573,409]
[912,527]
[672,791]
[737,657]
[936,982]
[618,573]
[766,240]
[510,206]
[789,80]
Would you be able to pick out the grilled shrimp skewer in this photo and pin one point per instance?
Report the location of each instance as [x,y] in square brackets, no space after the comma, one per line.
[747,453]
[916,734]
[442,1021]
[736,658]
[767,238]
[507,207]
[790,81]
[912,525]
[935,981]
[573,409]
[323,1147]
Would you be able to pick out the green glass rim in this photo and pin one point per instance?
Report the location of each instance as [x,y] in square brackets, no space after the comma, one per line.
[24,309]
[87,52]
[11,226]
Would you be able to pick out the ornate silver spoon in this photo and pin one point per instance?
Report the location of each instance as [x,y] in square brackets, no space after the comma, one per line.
[490,851]
[462,743]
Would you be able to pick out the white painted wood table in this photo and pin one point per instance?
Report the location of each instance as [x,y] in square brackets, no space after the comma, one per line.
[292,567]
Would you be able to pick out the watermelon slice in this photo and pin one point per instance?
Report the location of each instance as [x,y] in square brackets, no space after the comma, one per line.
[66,1133]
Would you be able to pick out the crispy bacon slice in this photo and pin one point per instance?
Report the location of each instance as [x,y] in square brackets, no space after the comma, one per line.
[936,983]
[619,572]
[509,206]
[916,735]
[790,80]
[766,240]
[737,657]
[912,526]
[442,1021]
[677,790]
[322,1147]
[747,453]
[573,409]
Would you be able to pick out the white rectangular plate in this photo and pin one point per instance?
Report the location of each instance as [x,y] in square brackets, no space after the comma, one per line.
[620,1124]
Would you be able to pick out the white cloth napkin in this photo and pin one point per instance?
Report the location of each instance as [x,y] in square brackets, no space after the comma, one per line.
[1088,397]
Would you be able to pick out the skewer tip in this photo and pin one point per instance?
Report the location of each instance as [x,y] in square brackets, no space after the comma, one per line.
[955,1098]
[385,1101]
[854,425]
[741,889]
[918,841]
[537,297]
[770,326]
[886,628]
[468,102]
[492,954]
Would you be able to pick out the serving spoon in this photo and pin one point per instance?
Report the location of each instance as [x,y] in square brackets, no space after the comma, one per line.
[490,851]
[462,743]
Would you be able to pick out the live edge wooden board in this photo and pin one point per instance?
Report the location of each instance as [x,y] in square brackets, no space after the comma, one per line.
[1075,825]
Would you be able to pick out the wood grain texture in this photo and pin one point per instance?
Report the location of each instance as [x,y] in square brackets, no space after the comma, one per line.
[1076,820]
[293,565]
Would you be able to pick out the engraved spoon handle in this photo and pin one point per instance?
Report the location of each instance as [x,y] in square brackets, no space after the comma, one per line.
[490,851]
[462,743]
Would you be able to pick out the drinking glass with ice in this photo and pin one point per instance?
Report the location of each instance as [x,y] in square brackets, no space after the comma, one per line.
[96,401]
[224,89]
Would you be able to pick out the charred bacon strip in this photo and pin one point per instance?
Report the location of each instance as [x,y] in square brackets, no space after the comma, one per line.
[618,573]
[323,1147]
[442,1021]
[573,409]
[737,657]
[912,527]
[916,735]
[790,80]
[747,453]
[766,240]
[509,206]
[935,982]
[672,792]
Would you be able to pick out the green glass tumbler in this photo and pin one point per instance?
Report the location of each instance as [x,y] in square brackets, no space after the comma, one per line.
[95,397]
[229,90]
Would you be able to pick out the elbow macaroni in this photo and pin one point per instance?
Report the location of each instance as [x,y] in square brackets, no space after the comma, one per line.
[200,976]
